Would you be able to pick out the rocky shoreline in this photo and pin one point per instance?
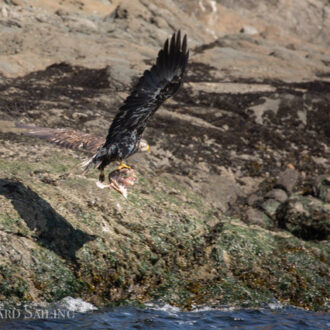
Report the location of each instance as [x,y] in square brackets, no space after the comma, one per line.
[232,205]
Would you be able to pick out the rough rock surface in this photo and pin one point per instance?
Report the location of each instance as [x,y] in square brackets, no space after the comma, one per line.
[306,217]
[215,216]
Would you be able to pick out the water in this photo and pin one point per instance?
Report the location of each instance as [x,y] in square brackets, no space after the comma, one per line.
[168,317]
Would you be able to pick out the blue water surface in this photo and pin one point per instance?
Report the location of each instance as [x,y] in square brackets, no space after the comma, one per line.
[168,317]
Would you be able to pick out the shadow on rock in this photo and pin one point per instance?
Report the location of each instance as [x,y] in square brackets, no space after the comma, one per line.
[50,228]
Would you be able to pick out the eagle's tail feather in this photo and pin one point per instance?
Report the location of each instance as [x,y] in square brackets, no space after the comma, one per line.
[95,161]
[88,163]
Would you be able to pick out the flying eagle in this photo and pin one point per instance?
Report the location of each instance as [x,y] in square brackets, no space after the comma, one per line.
[153,88]
[125,133]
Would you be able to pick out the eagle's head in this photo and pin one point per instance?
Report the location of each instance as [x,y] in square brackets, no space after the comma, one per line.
[144,146]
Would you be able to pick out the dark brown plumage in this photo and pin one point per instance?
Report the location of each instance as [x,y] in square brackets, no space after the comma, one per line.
[67,138]
[154,87]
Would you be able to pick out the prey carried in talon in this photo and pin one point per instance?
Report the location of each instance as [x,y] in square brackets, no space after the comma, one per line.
[120,180]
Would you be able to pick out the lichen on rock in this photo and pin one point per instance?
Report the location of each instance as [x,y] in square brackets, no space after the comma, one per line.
[231,206]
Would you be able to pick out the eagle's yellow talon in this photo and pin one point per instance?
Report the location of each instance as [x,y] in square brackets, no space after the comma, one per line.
[122,165]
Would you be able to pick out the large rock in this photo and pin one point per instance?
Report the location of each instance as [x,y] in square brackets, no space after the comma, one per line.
[256,217]
[277,194]
[322,188]
[252,103]
[270,207]
[305,217]
[288,180]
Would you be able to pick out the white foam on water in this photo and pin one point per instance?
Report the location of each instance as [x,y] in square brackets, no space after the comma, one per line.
[209,308]
[165,308]
[187,322]
[202,309]
[76,305]
[275,305]
[195,309]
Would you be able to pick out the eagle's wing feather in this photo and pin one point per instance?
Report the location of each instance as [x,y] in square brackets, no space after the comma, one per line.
[63,137]
[153,88]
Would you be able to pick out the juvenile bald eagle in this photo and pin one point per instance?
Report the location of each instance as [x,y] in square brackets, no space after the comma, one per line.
[153,88]
[125,133]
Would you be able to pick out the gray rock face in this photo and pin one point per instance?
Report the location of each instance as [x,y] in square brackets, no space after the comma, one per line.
[305,217]
[293,17]
[277,194]
[270,206]
[254,200]
[257,217]
[245,106]
[322,188]
[288,180]
[253,103]
[221,190]
[249,30]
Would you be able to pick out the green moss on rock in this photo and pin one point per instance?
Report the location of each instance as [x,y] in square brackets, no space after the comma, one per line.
[165,242]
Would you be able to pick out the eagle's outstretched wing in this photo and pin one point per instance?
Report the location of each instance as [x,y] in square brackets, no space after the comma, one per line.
[153,88]
[63,137]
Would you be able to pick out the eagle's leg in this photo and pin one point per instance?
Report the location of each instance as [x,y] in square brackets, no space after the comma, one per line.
[101,176]
[122,165]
